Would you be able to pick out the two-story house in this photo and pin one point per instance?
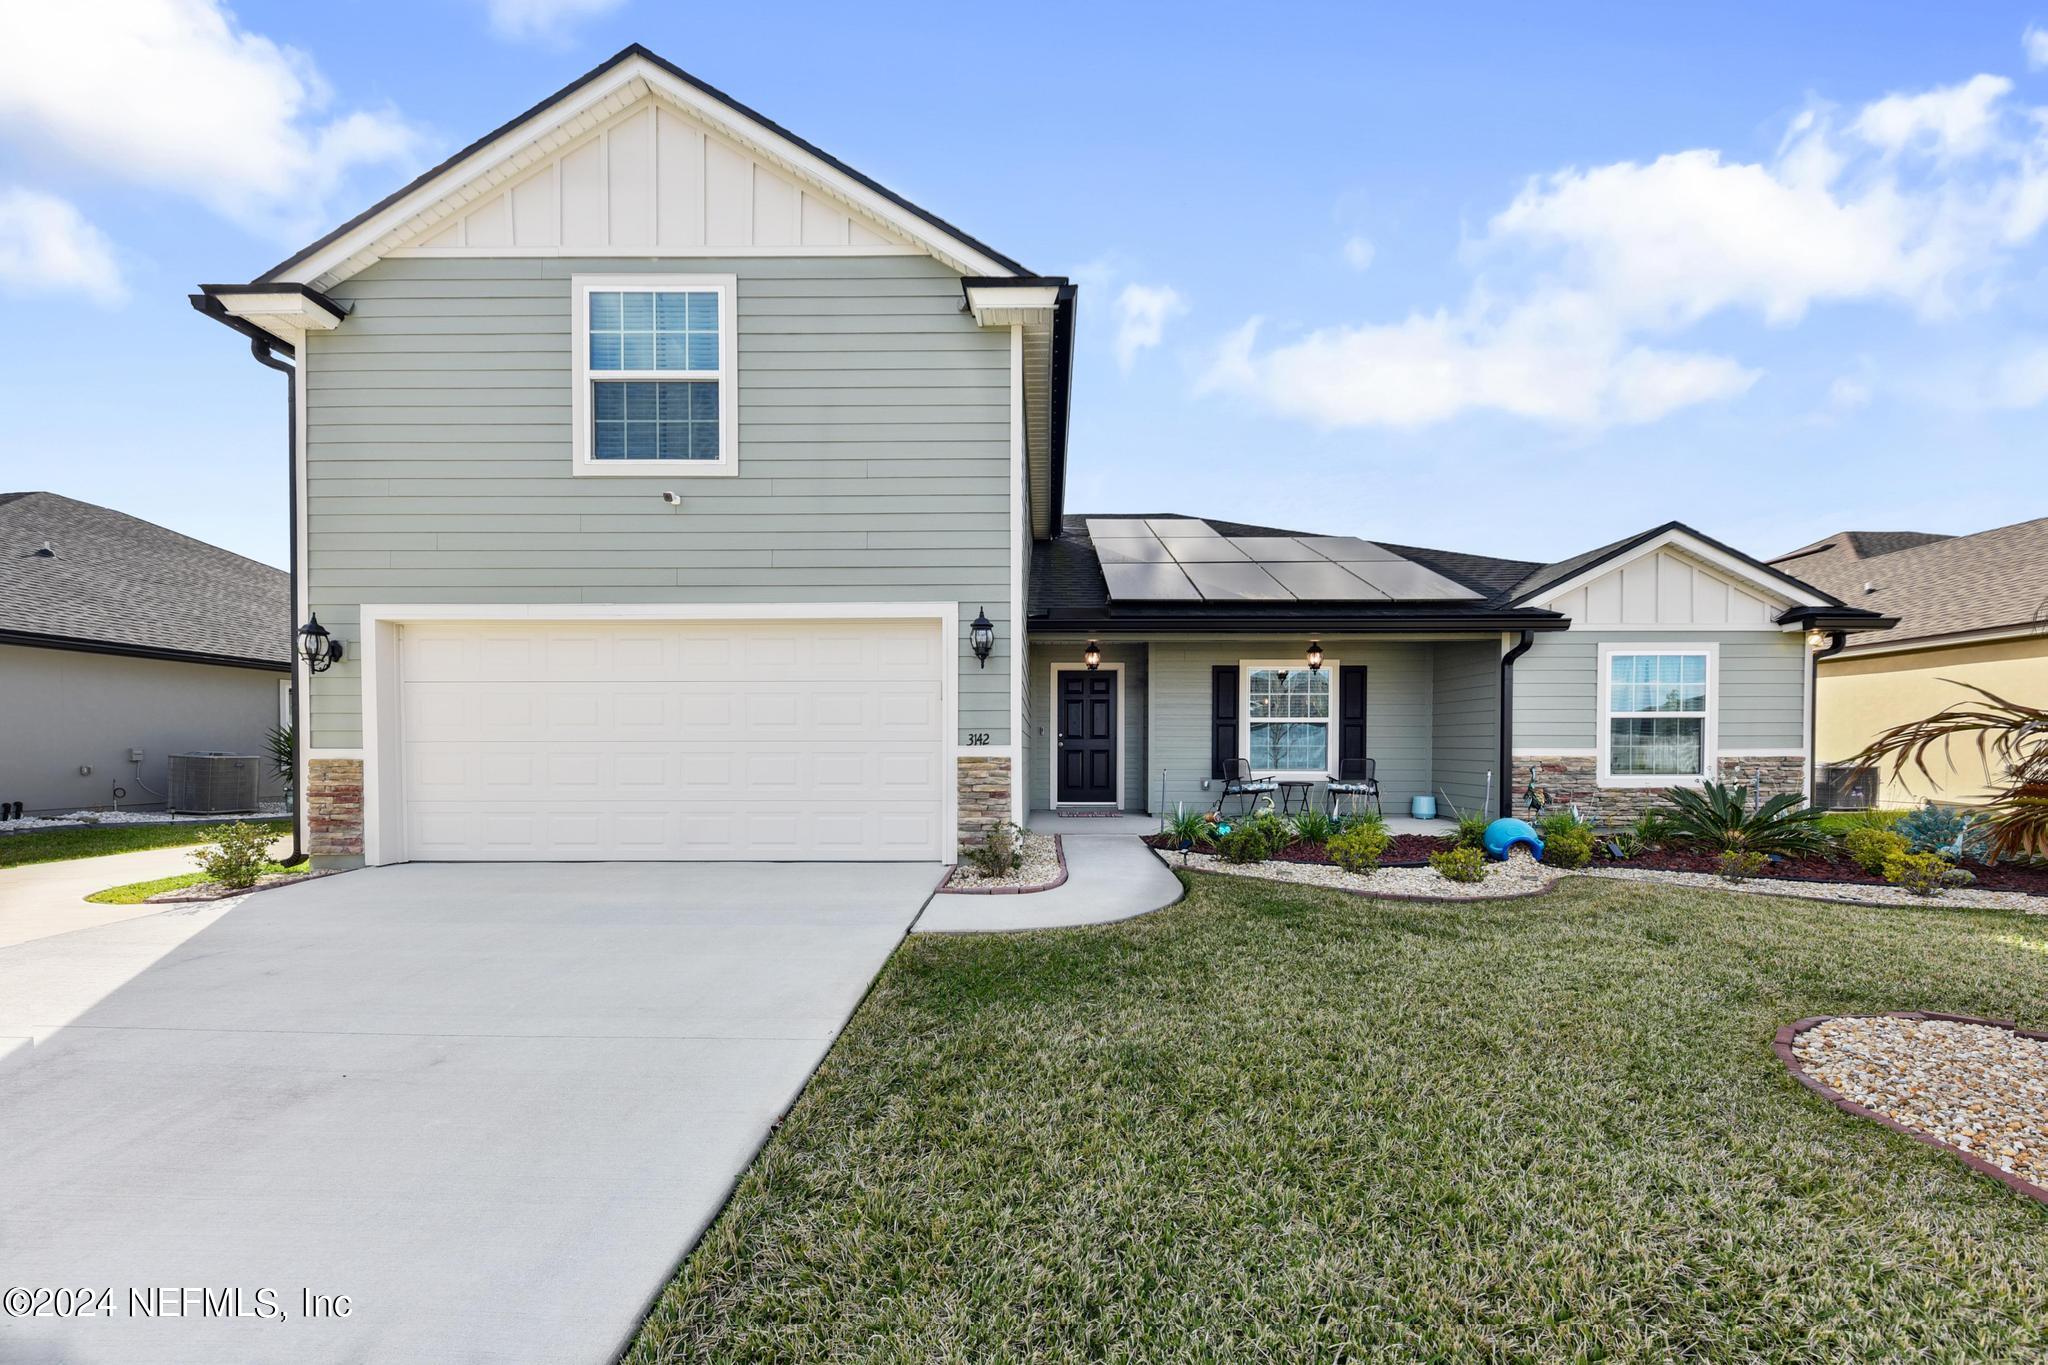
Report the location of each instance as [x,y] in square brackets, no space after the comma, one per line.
[670,490]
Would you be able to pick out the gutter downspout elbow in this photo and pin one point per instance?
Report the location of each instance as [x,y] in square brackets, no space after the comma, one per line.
[264,356]
[1506,804]
[1837,639]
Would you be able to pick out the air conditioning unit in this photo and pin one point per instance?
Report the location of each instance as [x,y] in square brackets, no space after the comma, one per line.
[214,784]
[1845,786]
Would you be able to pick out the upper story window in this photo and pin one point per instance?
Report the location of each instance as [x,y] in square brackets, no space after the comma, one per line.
[655,375]
[1287,719]
[1657,722]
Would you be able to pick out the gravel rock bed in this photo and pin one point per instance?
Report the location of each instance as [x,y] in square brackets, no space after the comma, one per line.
[1040,871]
[1520,875]
[88,819]
[1963,897]
[1979,1088]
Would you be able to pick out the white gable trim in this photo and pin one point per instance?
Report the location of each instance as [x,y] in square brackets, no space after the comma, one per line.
[1727,565]
[519,151]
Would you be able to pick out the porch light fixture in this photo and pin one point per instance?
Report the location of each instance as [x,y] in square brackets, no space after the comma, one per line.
[1092,656]
[320,650]
[981,637]
[1315,656]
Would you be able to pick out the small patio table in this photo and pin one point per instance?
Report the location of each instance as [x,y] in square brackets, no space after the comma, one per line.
[1288,791]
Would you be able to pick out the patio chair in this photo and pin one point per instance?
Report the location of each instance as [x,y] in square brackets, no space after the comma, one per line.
[1356,790]
[1239,782]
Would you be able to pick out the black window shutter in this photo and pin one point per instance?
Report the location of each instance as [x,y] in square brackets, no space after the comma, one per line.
[1351,723]
[1222,717]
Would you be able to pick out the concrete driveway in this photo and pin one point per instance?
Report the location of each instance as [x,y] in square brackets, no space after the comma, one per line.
[491,1105]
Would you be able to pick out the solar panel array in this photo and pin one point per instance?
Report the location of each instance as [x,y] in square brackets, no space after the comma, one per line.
[1175,559]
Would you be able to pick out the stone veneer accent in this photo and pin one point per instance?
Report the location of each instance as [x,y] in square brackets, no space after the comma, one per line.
[334,807]
[1569,781]
[984,786]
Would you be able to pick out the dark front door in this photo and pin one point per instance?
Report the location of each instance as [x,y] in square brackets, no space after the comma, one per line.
[1086,712]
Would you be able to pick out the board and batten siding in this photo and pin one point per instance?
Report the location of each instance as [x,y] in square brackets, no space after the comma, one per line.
[1761,692]
[874,450]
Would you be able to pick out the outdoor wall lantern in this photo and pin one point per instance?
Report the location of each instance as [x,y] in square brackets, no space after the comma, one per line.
[320,650]
[1315,656]
[1092,656]
[981,637]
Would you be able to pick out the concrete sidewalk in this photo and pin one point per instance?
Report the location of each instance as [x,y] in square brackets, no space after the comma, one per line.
[49,898]
[1111,875]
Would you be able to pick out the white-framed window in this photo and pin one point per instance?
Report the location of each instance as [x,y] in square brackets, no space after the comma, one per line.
[656,375]
[1657,714]
[1286,709]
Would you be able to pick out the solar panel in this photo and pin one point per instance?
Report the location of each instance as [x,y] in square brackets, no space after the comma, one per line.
[1146,551]
[1114,527]
[1180,526]
[1149,583]
[1348,549]
[1194,550]
[1406,581]
[1322,581]
[1236,583]
[1273,549]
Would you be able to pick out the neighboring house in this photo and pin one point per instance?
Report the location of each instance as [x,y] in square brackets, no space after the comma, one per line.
[122,643]
[656,467]
[1971,609]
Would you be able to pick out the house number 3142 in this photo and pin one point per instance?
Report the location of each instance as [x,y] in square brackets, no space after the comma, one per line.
[977,736]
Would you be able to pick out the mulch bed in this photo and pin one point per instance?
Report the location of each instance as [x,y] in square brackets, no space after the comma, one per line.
[2032,881]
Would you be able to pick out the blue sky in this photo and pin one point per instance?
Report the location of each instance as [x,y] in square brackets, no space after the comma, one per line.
[1514,282]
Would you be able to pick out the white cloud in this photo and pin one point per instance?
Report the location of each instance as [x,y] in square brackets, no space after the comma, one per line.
[2020,381]
[546,20]
[1358,253]
[1950,121]
[175,94]
[1142,312]
[2035,42]
[47,247]
[1587,269]
[1848,392]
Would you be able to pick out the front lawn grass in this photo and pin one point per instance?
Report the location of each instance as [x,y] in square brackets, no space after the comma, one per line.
[1275,1123]
[56,845]
[134,893]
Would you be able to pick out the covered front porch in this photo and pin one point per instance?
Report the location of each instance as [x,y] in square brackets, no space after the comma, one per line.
[1151,726]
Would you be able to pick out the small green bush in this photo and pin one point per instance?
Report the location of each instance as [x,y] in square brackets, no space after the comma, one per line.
[1242,843]
[1463,864]
[1924,874]
[1000,852]
[1315,826]
[1739,865]
[1359,847]
[1870,847]
[1840,822]
[239,858]
[1190,828]
[1471,831]
[1568,845]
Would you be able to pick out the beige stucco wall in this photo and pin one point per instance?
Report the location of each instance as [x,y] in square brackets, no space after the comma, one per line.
[1859,697]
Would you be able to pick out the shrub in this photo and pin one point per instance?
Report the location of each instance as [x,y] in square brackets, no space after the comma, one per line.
[1649,830]
[1739,864]
[1314,826]
[1254,838]
[1000,852]
[1367,819]
[1947,830]
[238,859]
[1461,864]
[1191,828]
[1923,874]
[1359,847]
[1471,831]
[1840,822]
[1719,817]
[1568,845]
[1870,847]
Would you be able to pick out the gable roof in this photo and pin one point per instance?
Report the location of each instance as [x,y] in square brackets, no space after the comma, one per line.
[612,85]
[1548,580]
[1936,585]
[122,585]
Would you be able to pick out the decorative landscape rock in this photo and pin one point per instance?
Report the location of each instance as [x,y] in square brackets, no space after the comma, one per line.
[1520,875]
[1974,1086]
[1042,869]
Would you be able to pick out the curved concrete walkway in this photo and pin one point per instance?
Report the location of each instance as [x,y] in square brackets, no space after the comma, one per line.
[1110,876]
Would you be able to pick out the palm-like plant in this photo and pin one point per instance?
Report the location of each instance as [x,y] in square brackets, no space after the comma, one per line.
[2011,735]
[1719,817]
[282,752]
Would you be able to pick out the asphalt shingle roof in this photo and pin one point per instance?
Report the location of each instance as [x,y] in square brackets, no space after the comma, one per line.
[115,579]
[1935,585]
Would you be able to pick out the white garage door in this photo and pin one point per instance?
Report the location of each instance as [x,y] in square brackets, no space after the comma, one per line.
[672,740]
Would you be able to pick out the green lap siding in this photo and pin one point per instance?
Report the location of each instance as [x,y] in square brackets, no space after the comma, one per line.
[874,456]
[1761,695]
[1465,723]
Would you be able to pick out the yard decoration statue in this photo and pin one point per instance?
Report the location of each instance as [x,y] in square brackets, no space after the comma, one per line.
[1534,796]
